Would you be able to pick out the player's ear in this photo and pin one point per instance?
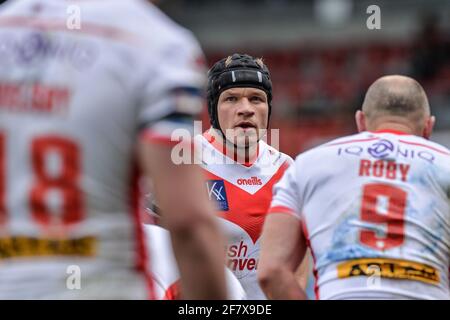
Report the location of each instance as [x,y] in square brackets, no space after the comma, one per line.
[429,125]
[360,119]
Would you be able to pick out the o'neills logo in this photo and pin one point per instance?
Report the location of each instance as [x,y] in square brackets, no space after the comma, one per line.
[253,181]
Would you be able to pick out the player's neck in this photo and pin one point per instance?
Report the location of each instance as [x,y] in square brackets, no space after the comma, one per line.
[394,127]
[245,156]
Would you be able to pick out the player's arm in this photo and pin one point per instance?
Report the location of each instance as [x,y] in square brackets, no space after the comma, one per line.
[171,87]
[188,216]
[283,245]
[302,272]
[282,250]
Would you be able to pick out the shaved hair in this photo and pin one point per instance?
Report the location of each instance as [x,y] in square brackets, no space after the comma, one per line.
[396,97]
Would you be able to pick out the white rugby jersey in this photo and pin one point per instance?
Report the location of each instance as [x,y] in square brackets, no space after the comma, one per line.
[375,209]
[165,272]
[242,194]
[75,94]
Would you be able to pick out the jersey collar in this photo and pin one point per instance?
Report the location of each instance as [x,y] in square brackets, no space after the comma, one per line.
[397,132]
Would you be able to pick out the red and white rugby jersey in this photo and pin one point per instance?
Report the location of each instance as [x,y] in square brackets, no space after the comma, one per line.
[242,194]
[375,208]
[165,271]
[73,102]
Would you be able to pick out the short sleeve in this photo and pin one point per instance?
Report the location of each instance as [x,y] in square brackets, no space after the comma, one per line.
[172,93]
[286,197]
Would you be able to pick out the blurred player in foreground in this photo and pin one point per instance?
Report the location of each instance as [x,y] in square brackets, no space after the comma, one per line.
[73,102]
[240,167]
[373,207]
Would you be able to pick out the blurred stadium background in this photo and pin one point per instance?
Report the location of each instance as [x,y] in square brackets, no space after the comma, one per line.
[323,57]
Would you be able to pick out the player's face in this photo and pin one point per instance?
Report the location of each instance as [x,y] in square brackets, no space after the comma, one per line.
[243,115]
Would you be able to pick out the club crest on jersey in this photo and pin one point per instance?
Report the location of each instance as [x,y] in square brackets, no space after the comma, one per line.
[381,149]
[217,193]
